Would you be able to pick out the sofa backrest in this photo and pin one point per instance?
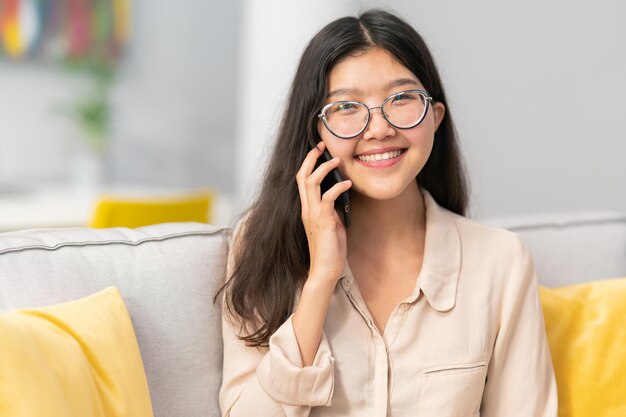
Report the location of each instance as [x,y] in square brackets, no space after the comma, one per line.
[572,248]
[167,275]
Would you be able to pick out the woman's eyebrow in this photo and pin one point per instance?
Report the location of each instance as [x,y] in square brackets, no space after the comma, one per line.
[399,82]
[356,91]
[344,92]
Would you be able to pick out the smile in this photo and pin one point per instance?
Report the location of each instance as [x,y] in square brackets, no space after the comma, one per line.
[380,156]
[380,160]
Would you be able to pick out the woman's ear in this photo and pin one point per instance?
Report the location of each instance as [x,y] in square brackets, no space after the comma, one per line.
[439,110]
[320,127]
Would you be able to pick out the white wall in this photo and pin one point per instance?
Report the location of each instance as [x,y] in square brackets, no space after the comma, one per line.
[174,114]
[273,35]
[538,93]
[33,136]
[176,107]
[536,88]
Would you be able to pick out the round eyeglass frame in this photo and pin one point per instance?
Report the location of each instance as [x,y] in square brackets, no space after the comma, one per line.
[427,98]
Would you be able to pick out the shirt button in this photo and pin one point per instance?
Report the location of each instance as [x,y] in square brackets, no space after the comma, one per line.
[347,282]
[404,306]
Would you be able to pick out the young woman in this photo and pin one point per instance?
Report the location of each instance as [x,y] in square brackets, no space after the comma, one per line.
[413,310]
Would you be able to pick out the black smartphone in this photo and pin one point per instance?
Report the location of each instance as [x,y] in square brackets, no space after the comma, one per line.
[342,203]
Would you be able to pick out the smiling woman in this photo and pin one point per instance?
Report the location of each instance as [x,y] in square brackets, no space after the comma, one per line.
[414,310]
[405,120]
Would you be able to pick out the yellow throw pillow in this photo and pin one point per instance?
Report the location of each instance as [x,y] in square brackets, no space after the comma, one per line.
[586,327]
[77,359]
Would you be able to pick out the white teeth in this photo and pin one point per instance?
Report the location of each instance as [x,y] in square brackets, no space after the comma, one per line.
[380,156]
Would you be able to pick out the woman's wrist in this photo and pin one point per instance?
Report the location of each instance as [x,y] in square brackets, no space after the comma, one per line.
[320,283]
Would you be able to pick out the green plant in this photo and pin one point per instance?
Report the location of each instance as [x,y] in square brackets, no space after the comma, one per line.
[91,108]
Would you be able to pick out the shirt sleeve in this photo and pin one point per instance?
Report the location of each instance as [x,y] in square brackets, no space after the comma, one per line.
[271,381]
[520,378]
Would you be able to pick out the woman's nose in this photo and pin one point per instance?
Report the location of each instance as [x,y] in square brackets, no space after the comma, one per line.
[378,127]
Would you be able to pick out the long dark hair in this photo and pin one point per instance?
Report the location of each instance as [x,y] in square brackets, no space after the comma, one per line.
[272,254]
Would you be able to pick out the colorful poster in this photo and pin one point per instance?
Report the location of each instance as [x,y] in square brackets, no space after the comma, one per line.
[64,29]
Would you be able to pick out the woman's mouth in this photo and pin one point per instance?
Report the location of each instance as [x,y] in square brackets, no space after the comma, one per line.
[381,159]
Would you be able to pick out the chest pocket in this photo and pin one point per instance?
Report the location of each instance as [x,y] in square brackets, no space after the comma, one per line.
[452,390]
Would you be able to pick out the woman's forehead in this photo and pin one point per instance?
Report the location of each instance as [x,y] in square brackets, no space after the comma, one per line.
[373,70]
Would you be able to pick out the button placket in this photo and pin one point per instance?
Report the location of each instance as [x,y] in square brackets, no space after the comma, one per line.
[381,353]
[359,305]
[395,323]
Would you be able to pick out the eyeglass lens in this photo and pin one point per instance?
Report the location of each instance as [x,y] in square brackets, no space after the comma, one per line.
[403,110]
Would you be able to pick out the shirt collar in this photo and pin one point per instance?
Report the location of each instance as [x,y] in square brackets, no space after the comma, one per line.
[441,265]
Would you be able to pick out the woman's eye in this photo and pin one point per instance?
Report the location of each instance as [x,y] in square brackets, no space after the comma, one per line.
[403,96]
[344,107]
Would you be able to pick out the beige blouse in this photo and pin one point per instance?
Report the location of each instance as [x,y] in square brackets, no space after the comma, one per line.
[470,341]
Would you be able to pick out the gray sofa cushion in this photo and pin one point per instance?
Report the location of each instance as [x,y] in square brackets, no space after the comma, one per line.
[167,275]
[572,248]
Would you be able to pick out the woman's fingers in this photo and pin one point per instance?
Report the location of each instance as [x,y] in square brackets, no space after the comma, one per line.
[314,181]
[308,165]
[317,176]
[309,179]
[329,197]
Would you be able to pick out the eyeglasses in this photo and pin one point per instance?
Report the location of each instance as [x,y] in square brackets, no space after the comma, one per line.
[347,119]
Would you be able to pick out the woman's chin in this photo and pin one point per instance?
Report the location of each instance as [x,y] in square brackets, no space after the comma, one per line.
[378,192]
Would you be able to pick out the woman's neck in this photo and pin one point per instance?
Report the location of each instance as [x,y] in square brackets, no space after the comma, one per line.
[381,226]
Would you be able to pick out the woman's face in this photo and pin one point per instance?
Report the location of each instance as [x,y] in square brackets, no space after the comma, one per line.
[371,77]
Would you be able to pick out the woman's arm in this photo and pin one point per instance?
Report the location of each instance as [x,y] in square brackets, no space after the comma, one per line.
[520,378]
[273,382]
[309,317]
[326,238]
[294,374]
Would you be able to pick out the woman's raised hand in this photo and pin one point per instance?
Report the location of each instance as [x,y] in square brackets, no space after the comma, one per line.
[325,232]
[327,248]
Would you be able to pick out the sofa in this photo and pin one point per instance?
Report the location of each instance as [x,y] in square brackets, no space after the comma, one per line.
[168,274]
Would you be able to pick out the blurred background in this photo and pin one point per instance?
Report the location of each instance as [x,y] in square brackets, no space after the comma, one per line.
[153,99]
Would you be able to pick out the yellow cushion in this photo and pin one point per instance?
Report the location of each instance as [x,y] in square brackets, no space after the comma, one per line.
[78,359]
[586,327]
[116,212]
